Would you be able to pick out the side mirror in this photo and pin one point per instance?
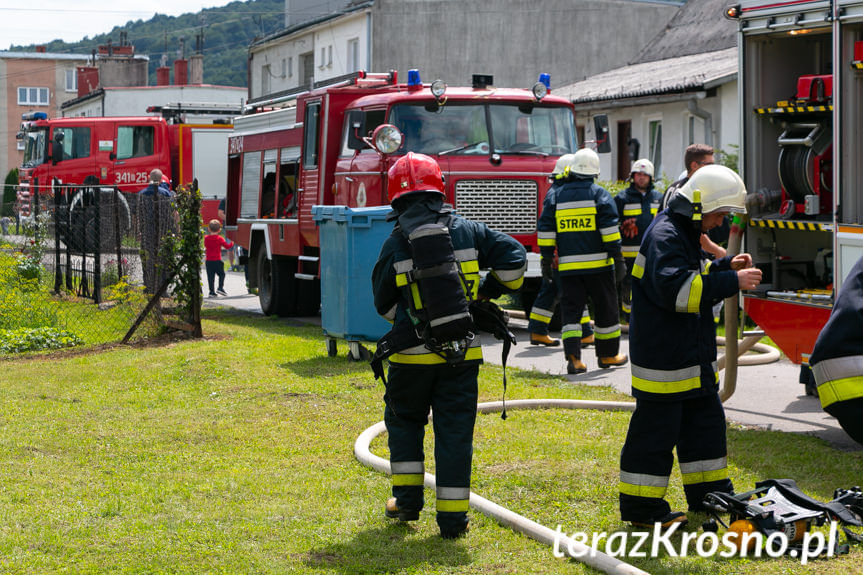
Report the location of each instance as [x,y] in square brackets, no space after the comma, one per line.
[603,137]
[356,130]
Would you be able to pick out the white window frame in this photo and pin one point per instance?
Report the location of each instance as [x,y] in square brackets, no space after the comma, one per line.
[353,58]
[290,66]
[40,91]
[651,144]
[73,75]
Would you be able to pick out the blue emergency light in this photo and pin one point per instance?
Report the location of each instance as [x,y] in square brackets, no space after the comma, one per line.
[33,116]
[546,80]
[414,78]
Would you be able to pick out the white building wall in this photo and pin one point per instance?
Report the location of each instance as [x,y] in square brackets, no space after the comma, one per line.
[674,117]
[135,101]
[275,67]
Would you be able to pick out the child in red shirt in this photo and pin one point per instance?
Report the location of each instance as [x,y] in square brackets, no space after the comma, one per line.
[213,244]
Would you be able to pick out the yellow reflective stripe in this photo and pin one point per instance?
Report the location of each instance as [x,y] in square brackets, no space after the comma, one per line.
[705,476]
[689,296]
[610,335]
[401,280]
[642,490]
[513,284]
[548,242]
[468,267]
[453,505]
[633,212]
[840,389]
[625,307]
[575,212]
[415,293]
[667,381]
[637,271]
[432,358]
[570,330]
[611,237]
[585,265]
[540,318]
[408,479]
[629,251]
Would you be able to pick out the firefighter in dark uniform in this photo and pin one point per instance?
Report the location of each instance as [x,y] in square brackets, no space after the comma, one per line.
[579,221]
[637,205]
[837,360]
[548,296]
[673,347]
[419,379]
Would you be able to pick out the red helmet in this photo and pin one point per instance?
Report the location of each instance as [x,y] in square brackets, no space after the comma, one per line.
[414,173]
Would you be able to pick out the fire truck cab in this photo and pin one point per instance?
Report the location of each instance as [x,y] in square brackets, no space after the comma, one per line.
[495,146]
[800,88]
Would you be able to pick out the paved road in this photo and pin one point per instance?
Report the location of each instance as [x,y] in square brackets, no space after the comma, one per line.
[767,396]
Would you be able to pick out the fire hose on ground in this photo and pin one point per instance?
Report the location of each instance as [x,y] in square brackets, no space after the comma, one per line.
[538,532]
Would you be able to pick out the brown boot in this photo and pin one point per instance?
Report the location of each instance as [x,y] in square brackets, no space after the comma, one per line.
[665,521]
[616,361]
[543,339]
[588,340]
[393,512]
[574,365]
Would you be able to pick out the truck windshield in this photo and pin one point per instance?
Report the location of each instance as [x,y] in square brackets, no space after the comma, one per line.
[525,129]
[34,147]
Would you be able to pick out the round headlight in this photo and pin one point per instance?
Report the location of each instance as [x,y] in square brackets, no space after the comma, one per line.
[387,138]
[438,88]
[539,90]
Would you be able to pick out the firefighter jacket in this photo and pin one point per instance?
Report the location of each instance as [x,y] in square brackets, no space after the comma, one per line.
[476,247]
[672,333]
[643,208]
[837,360]
[579,219]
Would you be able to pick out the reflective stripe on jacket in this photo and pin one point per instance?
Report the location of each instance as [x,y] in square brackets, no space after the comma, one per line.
[672,332]
[643,207]
[837,359]
[579,219]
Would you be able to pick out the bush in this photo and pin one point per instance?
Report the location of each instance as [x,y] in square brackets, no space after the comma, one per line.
[36,339]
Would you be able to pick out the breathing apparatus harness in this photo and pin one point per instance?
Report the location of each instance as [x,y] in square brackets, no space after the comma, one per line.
[444,317]
[778,505]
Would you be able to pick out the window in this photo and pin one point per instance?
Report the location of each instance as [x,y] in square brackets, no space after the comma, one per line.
[306,68]
[134,141]
[323,56]
[655,131]
[265,79]
[290,66]
[20,144]
[32,96]
[71,81]
[330,56]
[74,143]
[353,54]
[310,138]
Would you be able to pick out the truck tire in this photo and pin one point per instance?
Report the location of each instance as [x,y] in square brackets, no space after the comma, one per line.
[308,297]
[277,286]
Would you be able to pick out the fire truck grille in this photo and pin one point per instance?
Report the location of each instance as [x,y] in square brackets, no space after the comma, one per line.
[507,206]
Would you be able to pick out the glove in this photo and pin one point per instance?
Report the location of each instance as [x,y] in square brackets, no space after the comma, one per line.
[629,228]
[619,268]
[545,265]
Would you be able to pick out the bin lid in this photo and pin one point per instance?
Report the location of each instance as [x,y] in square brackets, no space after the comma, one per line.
[350,215]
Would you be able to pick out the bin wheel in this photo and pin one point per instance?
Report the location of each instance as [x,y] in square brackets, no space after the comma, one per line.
[356,352]
[332,350]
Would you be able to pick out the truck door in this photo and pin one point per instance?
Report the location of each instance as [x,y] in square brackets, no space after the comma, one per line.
[310,177]
[136,156]
[72,156]
[367,188]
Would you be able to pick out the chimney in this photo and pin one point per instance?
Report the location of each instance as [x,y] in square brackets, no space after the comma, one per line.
[163,76]
[40,49]
[181,72]
[88,79]
[196,69]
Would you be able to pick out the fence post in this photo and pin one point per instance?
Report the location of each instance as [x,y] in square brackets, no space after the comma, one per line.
[97,263]
[196,293]
[58,276]
[67,218]
[119,239]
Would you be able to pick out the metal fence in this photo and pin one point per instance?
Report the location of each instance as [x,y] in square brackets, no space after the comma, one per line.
[86,263]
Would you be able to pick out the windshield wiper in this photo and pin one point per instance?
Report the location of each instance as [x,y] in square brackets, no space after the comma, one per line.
[460,148]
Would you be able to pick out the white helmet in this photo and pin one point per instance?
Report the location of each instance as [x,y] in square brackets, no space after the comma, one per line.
[585,162]
[642,166]
[560,166]
[716,188]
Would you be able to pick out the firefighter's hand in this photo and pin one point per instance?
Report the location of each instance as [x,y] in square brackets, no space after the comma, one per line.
[741,262]
[545,265]
[629,228]
[748,278]
[619,268]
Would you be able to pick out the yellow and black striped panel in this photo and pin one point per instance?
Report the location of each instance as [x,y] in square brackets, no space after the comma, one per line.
[792,225]
[857,65]
[794,109]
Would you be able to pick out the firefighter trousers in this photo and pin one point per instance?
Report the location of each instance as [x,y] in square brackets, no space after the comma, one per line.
[547,299]
[850,416]
[600,288]
[450,391]
[697,428]
[624,290]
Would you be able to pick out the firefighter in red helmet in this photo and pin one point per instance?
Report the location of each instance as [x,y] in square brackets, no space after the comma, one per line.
[426,369]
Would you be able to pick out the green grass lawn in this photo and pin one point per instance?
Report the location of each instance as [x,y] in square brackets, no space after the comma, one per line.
[234,454]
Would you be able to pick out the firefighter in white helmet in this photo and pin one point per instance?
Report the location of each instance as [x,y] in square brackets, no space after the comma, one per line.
[548,296]
[672,341]
[637,205]
[579,222]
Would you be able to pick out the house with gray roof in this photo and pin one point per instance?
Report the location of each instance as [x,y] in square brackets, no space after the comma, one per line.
[680,89]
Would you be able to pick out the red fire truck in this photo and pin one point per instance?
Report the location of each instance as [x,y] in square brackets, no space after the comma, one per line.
[800,89]
[121,152]
[496,148]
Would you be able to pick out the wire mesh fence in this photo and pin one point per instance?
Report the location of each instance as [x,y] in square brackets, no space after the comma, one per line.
[84,266]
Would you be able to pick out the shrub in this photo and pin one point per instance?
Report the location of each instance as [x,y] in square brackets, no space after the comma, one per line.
[36,339]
